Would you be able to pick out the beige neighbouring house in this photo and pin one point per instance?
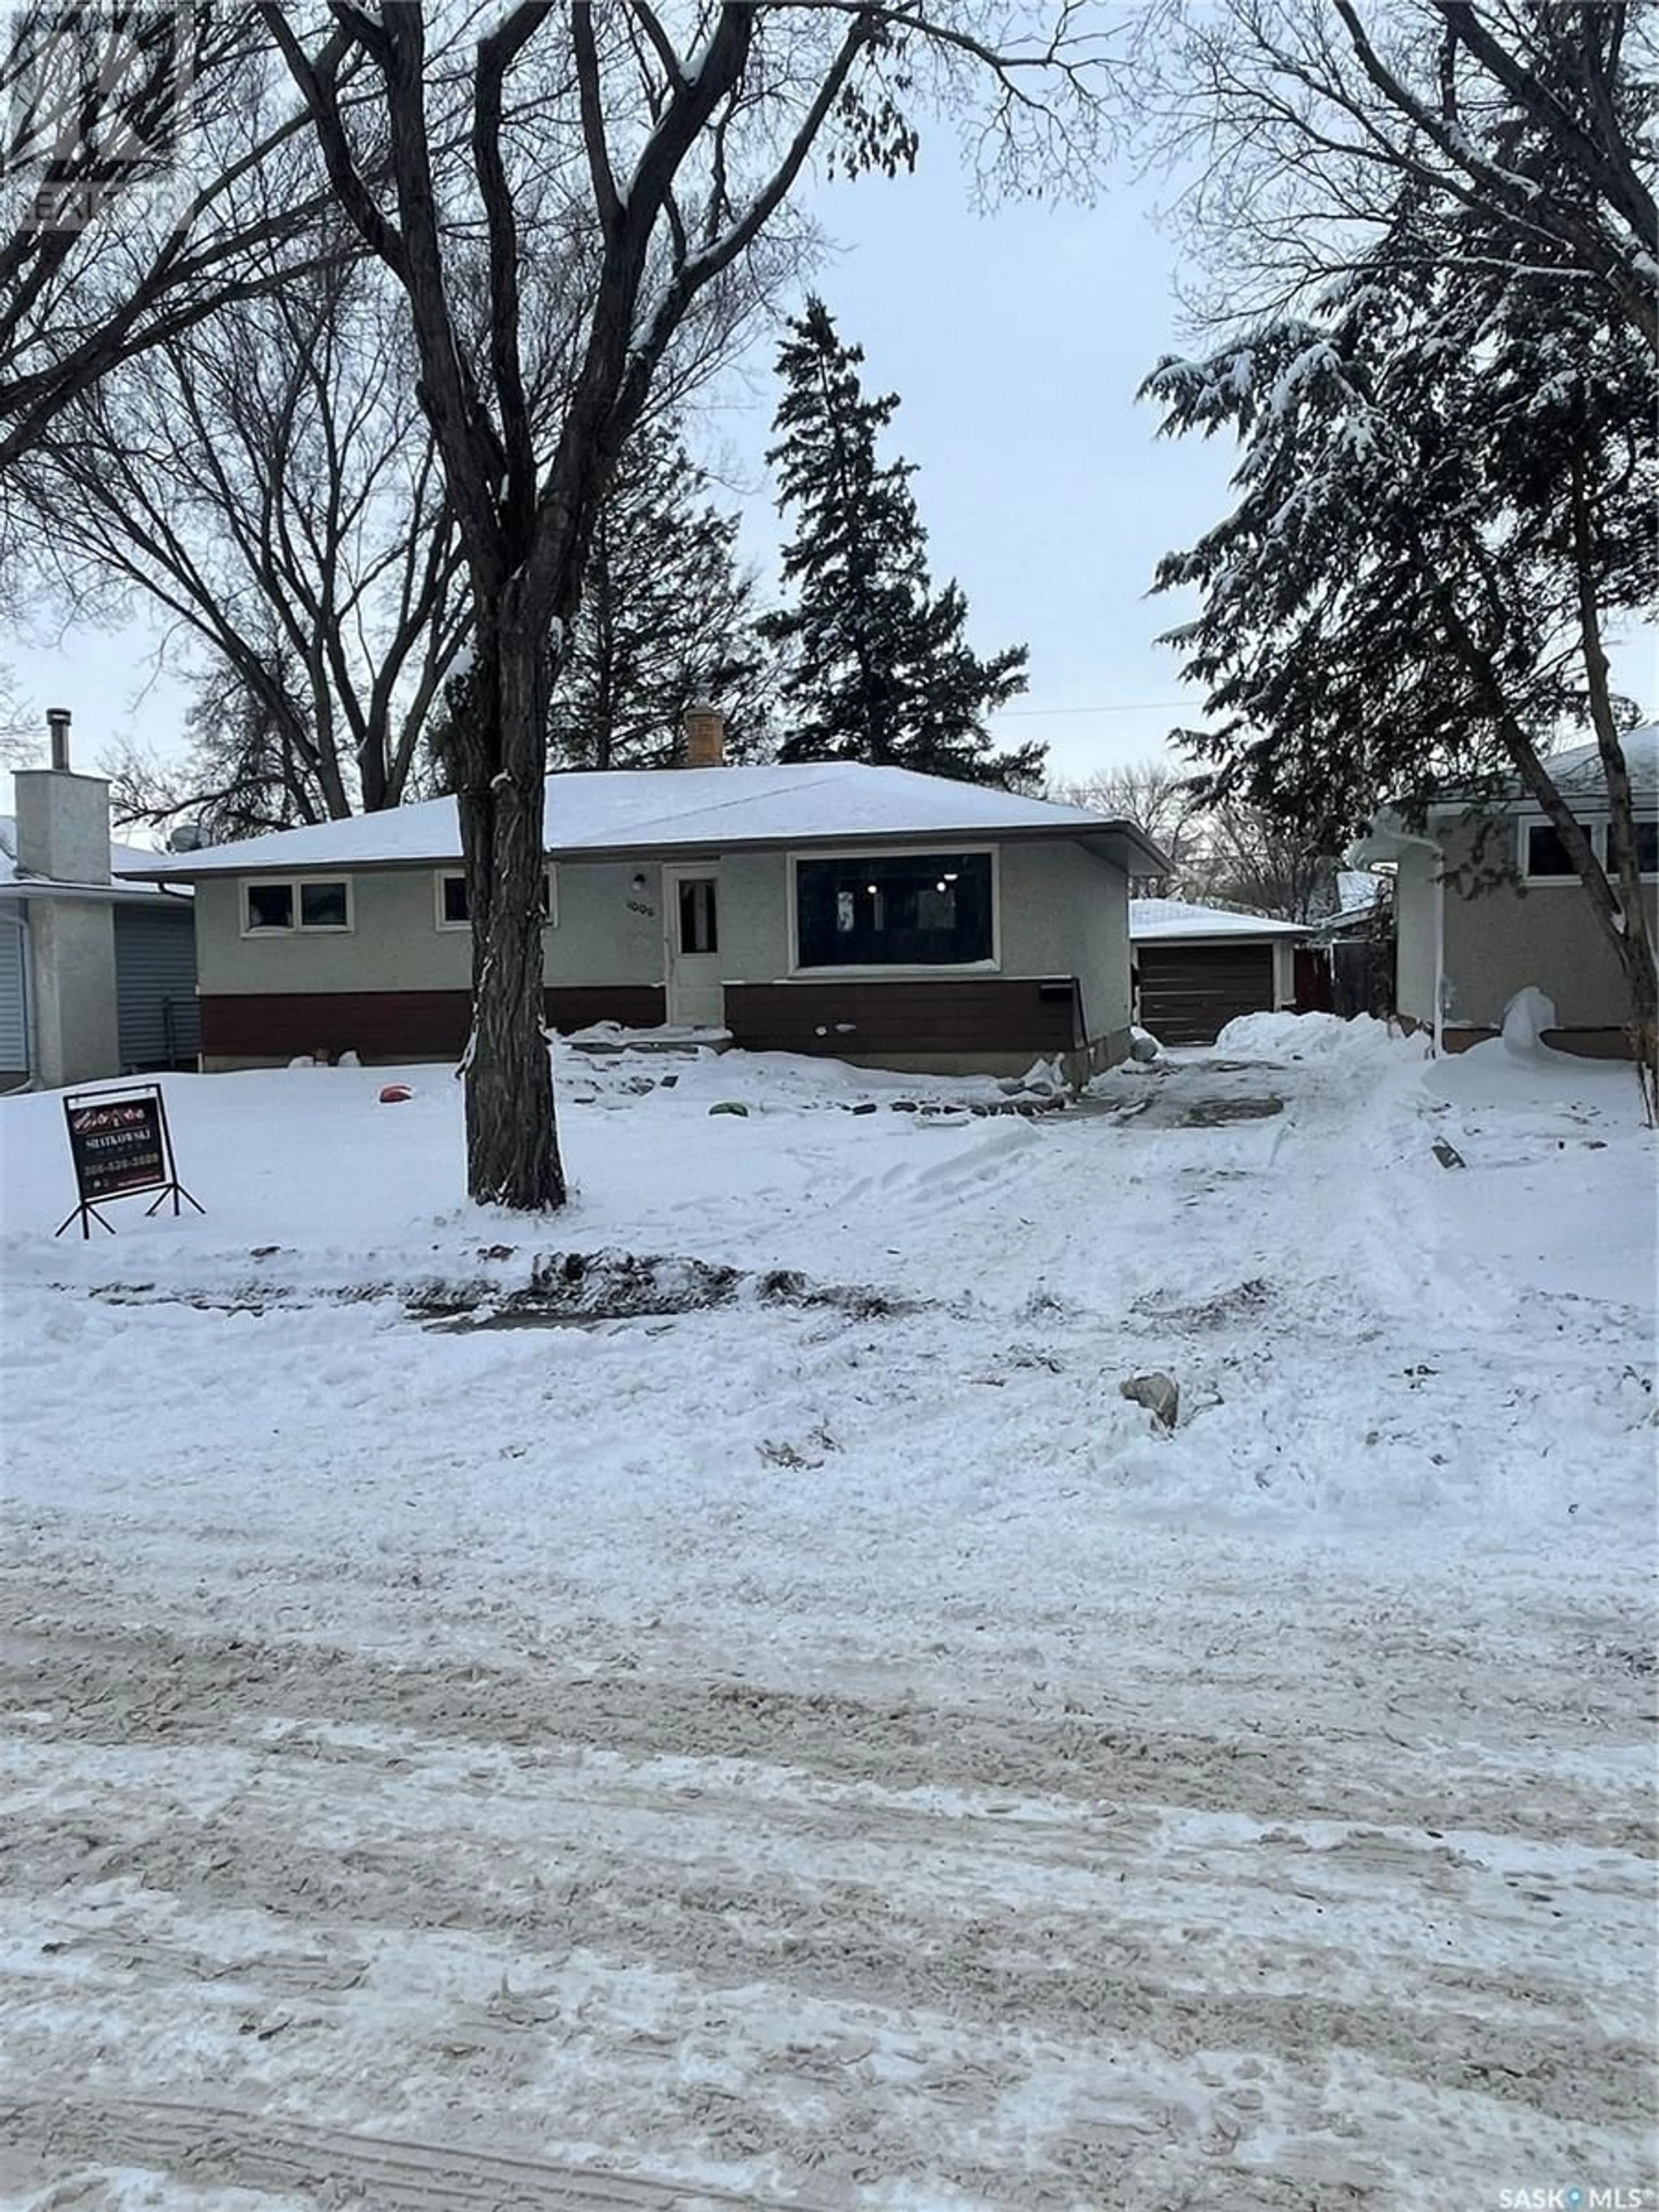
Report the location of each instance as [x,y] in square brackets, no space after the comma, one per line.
[868,913]
[1486,902]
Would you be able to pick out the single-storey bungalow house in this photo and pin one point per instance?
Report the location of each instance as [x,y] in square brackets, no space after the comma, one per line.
[1487,902]
[869,914]
[97,974]
[1199,967]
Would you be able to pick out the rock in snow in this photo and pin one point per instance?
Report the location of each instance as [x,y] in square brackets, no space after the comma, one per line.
[1160,1393]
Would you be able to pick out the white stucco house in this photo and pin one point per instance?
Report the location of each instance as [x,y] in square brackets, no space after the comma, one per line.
[1486,902]
[97,971]
[869,914]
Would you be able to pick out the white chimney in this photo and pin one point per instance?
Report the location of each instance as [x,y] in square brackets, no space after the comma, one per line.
[62,819]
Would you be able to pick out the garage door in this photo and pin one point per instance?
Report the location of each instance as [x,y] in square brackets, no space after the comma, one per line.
[1189,992]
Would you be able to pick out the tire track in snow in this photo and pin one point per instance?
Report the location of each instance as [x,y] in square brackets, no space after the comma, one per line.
[232,2147]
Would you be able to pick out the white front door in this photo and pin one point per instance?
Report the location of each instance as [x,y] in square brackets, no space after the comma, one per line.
[691,928]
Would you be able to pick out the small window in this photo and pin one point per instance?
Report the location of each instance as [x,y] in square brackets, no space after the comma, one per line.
[323,906]
[454,908]
[270,906]
[1546,857]
[1647,847]
[699,920]
[895,910]
[319,903]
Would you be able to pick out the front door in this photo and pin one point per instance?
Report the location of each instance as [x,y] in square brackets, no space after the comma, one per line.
[692,922]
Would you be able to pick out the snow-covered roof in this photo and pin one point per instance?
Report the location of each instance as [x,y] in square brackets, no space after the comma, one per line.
[1357,889]
[124,861]
[1151,921]
[1576,773]
[657,810]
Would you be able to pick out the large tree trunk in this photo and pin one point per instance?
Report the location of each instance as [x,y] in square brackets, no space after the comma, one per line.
[1632,939]
[512,1130]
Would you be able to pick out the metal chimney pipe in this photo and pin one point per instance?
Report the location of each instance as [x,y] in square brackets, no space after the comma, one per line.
[57,721]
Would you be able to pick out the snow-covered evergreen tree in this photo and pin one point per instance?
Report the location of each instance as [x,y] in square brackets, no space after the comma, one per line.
[879,668]
[668,616]
[1445,497]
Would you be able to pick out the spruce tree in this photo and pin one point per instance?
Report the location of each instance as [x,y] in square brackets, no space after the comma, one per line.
[879,668]
[1446,495]
[667,618]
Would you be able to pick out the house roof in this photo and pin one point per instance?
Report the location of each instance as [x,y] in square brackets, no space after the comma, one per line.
[1159,921]
[594,814]
[1577,774]
[1357,890]
[124,861]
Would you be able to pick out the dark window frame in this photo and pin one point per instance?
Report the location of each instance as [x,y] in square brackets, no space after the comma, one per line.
[296,887]
[1647,829]
[446,925]
[858,862]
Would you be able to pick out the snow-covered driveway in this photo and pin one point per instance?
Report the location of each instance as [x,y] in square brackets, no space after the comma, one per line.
[830,1750]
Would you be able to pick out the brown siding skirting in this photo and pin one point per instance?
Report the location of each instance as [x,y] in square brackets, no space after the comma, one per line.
[955,1015]
[1583,1044]
[395,1024]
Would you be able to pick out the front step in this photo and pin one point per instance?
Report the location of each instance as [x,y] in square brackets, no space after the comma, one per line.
[605,1038]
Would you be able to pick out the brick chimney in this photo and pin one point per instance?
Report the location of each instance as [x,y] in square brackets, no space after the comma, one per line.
[62,819]
[705,737]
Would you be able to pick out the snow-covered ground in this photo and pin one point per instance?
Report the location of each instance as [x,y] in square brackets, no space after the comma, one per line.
[829,1749]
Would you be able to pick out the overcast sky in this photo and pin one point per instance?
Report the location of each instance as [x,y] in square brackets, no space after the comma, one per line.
[1016,340]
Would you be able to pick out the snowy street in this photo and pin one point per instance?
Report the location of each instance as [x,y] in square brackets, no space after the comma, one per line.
[829,1749]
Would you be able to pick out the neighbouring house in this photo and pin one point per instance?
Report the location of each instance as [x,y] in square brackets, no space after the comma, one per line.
[97,974]
[1487,902]
[1199,967]
[870,914]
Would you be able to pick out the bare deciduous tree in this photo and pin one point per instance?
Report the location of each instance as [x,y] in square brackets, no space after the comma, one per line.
[150,176]
[242,776]
[1221,853]
[268,481]
[1160,799]
[681,158]
[1262,865]
[1307,122]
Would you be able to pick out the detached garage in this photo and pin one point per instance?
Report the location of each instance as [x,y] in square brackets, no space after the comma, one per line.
[1198,968]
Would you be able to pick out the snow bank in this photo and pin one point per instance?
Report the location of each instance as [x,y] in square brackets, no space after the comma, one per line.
[1525,1017]
[1314,1036]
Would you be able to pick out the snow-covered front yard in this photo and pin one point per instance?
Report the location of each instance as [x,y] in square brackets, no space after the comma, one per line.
[826,1748]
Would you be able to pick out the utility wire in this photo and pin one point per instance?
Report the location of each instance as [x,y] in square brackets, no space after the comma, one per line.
[1139,707]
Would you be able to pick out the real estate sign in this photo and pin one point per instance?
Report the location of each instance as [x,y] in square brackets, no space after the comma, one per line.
[120,1147]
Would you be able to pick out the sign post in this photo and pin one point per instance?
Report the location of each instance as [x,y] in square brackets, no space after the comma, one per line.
[121,1147]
